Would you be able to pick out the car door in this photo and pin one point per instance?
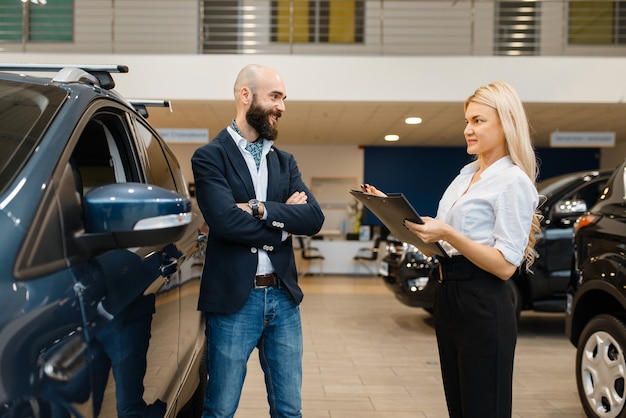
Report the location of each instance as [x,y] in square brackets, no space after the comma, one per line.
[160,322]
[162,169]
[80,342]
[136,304]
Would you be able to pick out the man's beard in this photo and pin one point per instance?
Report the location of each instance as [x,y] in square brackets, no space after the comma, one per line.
[258,118]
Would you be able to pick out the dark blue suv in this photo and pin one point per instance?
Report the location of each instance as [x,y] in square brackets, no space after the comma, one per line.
[102,250]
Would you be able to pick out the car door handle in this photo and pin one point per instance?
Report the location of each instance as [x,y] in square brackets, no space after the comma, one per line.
[170,268]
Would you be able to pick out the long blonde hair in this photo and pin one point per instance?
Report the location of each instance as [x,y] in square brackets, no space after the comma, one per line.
[504,99]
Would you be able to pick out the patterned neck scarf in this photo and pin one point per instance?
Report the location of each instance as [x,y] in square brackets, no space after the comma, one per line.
[255,148]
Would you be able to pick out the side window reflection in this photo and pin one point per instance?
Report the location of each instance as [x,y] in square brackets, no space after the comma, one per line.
[159,172]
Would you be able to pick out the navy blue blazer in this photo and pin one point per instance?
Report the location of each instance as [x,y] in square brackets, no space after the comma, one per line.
[222,179]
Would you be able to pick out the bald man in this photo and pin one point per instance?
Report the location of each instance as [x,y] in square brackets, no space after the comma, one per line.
[253,199]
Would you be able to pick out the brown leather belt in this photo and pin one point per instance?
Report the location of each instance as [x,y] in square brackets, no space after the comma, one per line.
[265,280]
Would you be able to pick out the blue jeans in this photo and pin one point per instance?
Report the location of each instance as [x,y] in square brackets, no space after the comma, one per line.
[269,321]
[126,340]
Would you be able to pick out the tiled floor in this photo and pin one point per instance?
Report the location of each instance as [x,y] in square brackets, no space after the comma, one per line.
[368,356]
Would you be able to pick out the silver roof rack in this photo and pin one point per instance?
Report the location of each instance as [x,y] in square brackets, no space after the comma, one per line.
[141,105]
[68,73]
[109,68]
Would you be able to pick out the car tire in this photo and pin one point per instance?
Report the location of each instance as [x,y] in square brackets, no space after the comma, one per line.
[601,367]
[516,297]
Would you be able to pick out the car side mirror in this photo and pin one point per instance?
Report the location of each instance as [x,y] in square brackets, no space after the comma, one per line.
[124,215]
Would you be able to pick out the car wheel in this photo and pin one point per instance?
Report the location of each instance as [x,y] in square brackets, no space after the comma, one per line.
[516,297]
[601,367]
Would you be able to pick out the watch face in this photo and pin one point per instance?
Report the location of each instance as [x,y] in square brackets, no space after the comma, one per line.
[254,205]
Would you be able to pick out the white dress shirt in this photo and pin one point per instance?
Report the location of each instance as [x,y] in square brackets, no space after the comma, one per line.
[497,210]
[259,178]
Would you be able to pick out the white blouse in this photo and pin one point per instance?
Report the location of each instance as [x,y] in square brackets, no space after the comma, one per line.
[497,210]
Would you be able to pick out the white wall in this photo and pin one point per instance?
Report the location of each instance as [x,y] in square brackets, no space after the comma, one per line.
[210,77]
[313,161]
[333,161]
[612,157]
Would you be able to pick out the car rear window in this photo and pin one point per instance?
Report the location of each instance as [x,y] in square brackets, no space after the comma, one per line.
[25,112]
[555,184]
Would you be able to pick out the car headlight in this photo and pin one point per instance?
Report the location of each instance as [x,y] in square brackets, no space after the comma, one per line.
[418,284]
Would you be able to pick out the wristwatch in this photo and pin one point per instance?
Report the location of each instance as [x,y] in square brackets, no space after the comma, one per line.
[254,205]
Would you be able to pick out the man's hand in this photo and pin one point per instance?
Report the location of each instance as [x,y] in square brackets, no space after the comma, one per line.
[298,198]
[245,207]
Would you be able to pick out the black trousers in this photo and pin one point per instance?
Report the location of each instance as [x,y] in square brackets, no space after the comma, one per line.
[476,333]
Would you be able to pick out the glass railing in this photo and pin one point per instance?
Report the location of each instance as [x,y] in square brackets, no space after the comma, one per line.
[338,27]
[383,27]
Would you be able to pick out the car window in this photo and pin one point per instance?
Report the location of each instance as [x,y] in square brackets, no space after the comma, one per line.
[177,172]
[554,184]
[163,169]
[25,112]
[93,156]
[573,203]
[590,192]
[104,153]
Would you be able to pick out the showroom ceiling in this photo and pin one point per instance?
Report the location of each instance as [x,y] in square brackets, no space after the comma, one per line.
[366,123]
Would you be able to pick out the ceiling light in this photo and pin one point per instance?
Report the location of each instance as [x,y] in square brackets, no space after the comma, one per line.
[391,138]
[413,121]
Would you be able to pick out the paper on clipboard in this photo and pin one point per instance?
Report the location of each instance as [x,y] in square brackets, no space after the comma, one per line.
[392,210]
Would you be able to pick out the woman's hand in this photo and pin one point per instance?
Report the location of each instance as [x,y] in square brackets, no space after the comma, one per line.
[487,258]
[368,188]
[432,230]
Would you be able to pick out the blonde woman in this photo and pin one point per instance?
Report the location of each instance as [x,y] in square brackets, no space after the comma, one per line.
[486,221]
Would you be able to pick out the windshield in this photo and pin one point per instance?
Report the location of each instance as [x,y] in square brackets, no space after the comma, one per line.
[549,186]
[25,112]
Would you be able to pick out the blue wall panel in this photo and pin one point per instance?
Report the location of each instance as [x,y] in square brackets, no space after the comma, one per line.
[423,173]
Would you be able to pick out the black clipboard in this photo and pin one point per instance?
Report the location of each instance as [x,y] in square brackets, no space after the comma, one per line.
[392,210]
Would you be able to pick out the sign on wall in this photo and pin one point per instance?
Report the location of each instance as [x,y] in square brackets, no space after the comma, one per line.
[582,139]
[184,135]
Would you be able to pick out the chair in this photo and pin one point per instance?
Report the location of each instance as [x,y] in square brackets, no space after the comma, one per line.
[366,256]
[310,254]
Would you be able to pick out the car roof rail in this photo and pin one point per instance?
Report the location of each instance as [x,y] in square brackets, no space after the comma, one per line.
[70,73]
[140,105]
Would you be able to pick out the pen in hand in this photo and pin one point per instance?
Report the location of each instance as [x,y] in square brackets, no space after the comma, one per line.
[368,188]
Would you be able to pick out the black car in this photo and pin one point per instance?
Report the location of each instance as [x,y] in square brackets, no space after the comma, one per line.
[406,271]
[596,310]
[102,251]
